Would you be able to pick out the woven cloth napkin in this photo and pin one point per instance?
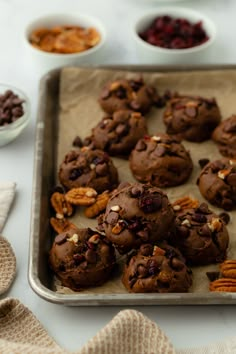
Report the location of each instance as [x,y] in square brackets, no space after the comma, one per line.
[7,257]
[129,332]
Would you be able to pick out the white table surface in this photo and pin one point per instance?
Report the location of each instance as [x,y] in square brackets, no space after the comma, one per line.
[72,327]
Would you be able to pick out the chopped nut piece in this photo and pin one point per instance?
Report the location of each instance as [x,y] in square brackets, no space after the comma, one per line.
[157,251]
[176,207]
[74,238]
[94,239]
[118,227]
[59,216]
[186,222]
[215,224]
[115,208]
[223,173]
[92,166]
[156,138]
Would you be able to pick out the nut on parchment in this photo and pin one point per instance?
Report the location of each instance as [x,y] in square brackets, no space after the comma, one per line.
[223,284]
[60,204]
[100,204]
[61,225]
[228,269]
[84,196]
[185,203]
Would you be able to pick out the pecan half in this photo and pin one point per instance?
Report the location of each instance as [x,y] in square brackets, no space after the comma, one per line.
[81,196]
[60,204]
[185,203]
[61,225]
[100,204]
[223,284]
[228,269]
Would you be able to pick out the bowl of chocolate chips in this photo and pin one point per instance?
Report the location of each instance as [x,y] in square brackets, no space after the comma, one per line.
[173,35]
[14,113]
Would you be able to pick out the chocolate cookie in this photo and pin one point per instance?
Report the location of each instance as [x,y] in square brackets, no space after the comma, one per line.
[157,270]
[137,214]
[88,168]
[82,258]
[217,183]
[191,118]
[201,236]
[118,133]
[131,94]
[225,137]
[160,160]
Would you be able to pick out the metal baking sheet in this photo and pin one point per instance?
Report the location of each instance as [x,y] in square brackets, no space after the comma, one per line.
[40,276]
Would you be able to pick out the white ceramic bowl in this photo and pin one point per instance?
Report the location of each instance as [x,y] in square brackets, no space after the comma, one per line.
[46,60]
[149,53]
[11,131]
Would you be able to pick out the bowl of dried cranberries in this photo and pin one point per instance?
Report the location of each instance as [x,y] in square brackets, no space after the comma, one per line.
[173,35]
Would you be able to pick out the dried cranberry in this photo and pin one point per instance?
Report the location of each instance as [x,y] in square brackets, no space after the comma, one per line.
[179,33]
[76,173]
[150,203]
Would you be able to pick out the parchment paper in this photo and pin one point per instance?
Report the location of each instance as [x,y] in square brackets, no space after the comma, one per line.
[80,111]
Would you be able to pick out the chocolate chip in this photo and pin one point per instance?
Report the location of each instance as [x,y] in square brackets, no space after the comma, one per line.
[153,267]
[101,169]
[76,173]
[121,129]
[177,263]
[91,256]
[213,275]
[135,105]
[78,258]
[231,179]
[146,250]
[150,203]
[203,208]
[203,162]
[132,281]
[135,192]
[143,234]
[205,231]
[77,142]
[140,146]
[159,151]
[142,271]
[60,239]
[224,217]
[191,111]
[199,218]
[112,218]
[227,204]
[183,231]
[121,93]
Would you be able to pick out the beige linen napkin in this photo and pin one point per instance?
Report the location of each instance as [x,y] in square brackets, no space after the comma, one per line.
[129,332]
[7,257]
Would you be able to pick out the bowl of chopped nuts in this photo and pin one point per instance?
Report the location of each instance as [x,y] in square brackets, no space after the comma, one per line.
[14,113]
[173,35]
[58,40]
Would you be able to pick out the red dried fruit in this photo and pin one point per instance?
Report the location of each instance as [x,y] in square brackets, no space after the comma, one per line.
[174,33]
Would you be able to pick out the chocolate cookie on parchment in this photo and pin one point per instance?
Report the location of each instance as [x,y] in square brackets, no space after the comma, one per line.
[160,160]
[131,94]
[137,214]
[217,183]
[191,118]
[119,132]
[225,137]
[88,168]
[82,258]
[157,270]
